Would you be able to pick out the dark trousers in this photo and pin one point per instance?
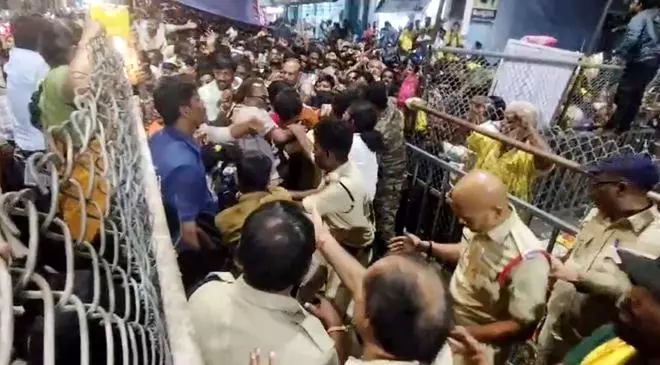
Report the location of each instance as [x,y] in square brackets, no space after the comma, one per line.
[196,264]
[629,94]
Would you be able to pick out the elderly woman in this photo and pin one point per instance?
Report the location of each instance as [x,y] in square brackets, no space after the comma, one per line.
[516,168]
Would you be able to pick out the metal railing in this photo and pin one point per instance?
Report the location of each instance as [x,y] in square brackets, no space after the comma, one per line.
[564,190]
[68,295]
[454,83]
[431,177]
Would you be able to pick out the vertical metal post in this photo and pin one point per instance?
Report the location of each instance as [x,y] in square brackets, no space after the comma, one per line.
[438,21]
[596,37]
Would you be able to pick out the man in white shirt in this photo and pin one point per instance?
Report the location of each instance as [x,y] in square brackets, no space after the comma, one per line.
[152,35]
[25,70]
[224,72]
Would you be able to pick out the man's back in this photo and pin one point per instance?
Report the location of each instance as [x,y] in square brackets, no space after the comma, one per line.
[231,319]
[25,70]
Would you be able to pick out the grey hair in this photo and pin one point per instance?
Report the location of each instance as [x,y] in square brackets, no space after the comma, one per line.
[525,110]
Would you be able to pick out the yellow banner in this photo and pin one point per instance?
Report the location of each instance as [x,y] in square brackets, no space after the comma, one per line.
[115,19]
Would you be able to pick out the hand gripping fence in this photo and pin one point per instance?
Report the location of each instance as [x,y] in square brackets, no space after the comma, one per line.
[92,275]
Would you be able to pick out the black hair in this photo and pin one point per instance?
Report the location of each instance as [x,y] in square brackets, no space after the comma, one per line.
[224,63]
[365,116]
[242,60]
[204,65]
[403,324]
[156,55]
[183,48]
[336,136]
[343,100]
[222,50]
[368,77]
[495,111]
[287,105]
[189,61]
[321,98]
[253,170]
[170,95]
[649,4]
[27,31]
[275,88]
[58,43]
[376,94]
[276,247]
[326,78]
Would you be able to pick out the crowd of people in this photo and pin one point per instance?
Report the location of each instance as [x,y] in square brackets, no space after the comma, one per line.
[282,162]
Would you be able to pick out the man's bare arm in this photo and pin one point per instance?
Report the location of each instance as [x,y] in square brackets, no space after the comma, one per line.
[495,332]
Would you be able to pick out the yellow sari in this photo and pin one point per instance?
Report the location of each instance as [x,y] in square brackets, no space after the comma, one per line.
[516,168]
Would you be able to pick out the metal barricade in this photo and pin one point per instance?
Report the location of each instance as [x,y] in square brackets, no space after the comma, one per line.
[454,84]
[113,299]
[426,213]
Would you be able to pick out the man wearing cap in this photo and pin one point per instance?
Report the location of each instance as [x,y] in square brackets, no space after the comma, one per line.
[633,338]
[589,283]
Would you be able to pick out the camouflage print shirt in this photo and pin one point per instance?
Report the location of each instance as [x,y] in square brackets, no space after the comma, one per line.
[393,158]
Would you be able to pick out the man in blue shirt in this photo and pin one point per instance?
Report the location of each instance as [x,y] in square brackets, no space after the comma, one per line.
[177,158]
[640,49]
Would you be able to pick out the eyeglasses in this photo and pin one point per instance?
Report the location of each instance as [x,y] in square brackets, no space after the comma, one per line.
[598,183]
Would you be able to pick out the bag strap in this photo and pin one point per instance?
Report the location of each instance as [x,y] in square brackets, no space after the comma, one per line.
[505,275]
[350,195]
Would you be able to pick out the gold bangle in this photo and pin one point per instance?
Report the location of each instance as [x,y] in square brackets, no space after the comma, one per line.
[337,329]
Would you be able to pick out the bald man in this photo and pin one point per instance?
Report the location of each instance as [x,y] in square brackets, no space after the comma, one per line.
[402,310]
[500,282]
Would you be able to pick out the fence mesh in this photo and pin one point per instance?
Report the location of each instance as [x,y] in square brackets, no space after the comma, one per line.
[80,284]
[458,84]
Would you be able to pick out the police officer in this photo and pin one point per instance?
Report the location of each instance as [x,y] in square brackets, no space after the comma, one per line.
[589,281]
[257,310]
[500,282]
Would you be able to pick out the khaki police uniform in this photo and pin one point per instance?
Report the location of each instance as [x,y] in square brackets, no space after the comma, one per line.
[478,297]
[230,221]
[343,204]
[574,311]
[231,319]
[345,208]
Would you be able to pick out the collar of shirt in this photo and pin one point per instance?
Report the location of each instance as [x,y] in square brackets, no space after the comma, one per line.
[501,232]
[339,172]
[266,300]
[638,222]
[175,134]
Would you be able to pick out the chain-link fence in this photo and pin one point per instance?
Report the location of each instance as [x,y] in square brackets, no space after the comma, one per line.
[459,83]
[92,277]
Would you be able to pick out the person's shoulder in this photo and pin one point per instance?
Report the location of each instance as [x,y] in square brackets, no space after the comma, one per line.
[165,148]
[215,287]
[647,240]
[523,236]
